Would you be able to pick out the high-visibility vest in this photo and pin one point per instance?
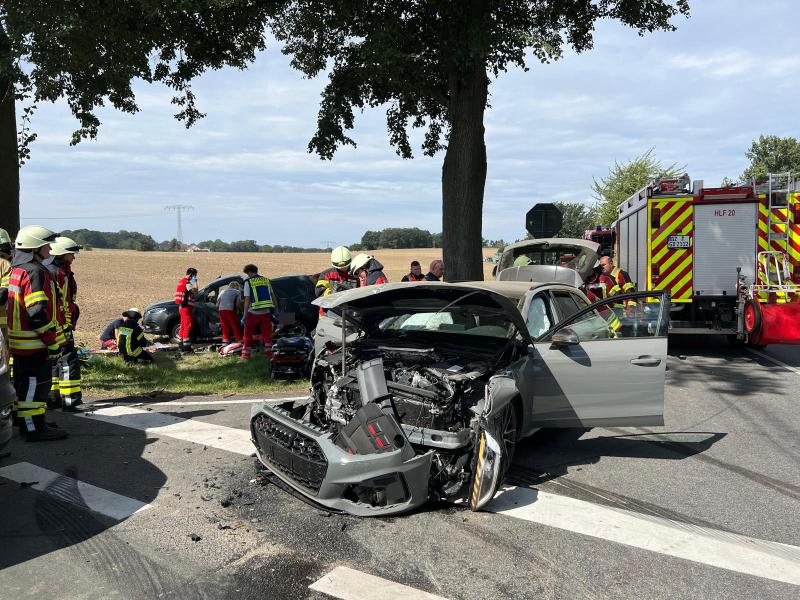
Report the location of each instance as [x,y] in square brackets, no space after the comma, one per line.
[5,276]
[181,292]
[125,341]
[260,293]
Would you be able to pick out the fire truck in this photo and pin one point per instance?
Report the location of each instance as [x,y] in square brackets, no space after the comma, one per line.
[728,256]
[605,237]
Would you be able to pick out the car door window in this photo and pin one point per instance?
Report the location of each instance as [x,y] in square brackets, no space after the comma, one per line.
[565,304]
[618,317]
[538,318]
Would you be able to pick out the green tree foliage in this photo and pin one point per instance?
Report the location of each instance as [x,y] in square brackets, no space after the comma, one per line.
[91,51]
[625,179]
[399,237]
[243,246]
[123,240]
[772,154]
[430,63]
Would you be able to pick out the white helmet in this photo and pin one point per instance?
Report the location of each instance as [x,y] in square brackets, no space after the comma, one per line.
[34,237]
[341,257]
[359,262]
[4,237]
[67,245]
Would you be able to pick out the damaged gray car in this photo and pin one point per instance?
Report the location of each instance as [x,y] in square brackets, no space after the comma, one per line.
[433,384]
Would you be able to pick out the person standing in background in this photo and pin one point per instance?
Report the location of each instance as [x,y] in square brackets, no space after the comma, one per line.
[184,298]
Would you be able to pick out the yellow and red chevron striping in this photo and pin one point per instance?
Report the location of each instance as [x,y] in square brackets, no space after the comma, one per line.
[671,268]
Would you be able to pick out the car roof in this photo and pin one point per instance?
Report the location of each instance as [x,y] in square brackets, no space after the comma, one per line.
[516,289]
[588,244]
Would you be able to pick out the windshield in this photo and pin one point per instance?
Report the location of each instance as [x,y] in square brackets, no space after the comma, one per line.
[474,321]
[562,257]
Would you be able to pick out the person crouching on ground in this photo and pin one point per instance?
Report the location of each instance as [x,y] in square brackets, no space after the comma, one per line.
[131,341]
[228,304]
[259,304]
[368,270]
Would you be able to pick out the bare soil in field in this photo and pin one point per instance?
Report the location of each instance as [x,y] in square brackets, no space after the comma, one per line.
[110,281]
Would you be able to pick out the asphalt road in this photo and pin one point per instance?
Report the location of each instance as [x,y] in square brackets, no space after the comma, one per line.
[707,506]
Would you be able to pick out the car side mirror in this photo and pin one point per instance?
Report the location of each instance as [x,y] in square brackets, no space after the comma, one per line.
[565,337]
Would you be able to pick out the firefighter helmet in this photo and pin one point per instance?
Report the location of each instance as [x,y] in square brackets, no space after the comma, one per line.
[341,257]
[68,244]
[133,313]
[522,261]
[359,262]
[34,237]
[4,237]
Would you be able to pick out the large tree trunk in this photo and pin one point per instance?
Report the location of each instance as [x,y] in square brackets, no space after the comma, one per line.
[464,176]
[9,161]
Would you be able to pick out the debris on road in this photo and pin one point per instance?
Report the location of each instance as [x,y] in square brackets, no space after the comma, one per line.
[195,537]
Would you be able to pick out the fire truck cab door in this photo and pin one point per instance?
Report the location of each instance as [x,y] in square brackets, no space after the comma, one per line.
[603,366]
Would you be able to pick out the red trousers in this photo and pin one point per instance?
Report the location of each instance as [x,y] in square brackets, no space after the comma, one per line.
[186,322]
[253,324]
[229,321]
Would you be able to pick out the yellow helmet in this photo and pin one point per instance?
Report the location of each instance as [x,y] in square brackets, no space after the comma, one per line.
[359,262]
[34,237]
[68,244]
[4,237]
[522,261]
[341,257]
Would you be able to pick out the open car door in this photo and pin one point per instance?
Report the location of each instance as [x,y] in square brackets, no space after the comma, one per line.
[603,366]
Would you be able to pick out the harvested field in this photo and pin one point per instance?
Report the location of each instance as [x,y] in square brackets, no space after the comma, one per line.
[110,281]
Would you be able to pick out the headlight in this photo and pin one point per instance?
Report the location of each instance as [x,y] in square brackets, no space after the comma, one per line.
[3,355]
[155,311]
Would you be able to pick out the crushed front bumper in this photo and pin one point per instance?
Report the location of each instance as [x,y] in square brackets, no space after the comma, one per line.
[306,458]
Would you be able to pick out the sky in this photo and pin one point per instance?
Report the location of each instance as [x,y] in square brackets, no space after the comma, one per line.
[699,96]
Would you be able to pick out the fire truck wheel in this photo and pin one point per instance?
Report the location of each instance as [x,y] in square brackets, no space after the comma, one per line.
[752,317]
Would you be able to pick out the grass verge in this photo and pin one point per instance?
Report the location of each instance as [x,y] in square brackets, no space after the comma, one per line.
[194,374]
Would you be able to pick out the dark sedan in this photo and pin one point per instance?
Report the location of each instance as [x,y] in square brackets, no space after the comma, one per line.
[295,294]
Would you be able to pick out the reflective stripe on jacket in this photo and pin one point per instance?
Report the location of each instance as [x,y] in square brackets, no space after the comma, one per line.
[32,310]
[131,340]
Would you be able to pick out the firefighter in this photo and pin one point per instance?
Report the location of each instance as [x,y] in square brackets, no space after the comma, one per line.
[259,304]
[33,334]
[415,274]
[108,339]
[130,339]
[368,270]
[229,303]
[67,370]
[522,261]
[623,282]
[5,273]
[338,277]
[598,288]
[436,271]
[184,298]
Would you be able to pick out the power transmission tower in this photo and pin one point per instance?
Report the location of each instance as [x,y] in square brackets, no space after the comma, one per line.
[179,208]
[326,244]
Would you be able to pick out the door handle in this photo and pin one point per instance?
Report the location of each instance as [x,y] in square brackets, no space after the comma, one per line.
[646,361]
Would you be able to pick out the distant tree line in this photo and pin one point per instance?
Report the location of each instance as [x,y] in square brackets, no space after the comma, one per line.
[252,246]
[123,240]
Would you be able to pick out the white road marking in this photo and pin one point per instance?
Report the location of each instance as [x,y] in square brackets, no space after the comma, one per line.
[774,360]
[154,422]
[734,552]
[212,402]
[74,491]
[348,584]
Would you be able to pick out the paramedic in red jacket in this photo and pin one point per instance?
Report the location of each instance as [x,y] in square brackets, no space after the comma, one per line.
[184,297]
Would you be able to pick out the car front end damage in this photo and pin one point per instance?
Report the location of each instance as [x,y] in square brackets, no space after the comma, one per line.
[392,420]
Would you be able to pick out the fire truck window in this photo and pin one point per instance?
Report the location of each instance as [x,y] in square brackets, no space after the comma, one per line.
[538,317]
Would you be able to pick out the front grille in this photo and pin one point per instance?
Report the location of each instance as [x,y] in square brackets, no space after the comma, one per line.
[296,455]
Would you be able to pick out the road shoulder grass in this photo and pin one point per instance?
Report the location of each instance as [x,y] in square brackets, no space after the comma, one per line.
[172,373]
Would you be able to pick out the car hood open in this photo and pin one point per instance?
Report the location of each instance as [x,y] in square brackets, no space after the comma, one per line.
[584,252]
[373,303]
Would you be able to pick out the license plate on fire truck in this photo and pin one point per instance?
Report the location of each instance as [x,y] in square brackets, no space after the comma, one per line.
[679,241]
